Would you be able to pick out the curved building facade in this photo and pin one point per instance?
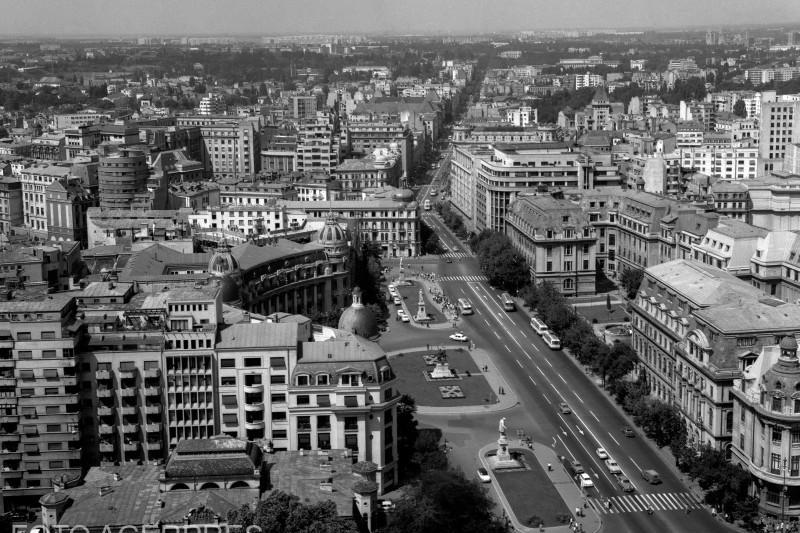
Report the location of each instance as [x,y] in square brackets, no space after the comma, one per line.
[123,180]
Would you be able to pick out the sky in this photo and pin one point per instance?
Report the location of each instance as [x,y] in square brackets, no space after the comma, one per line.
[65,18]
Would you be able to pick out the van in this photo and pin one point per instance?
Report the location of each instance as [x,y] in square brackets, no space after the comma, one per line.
[538,326]
[551,340]
[651,476]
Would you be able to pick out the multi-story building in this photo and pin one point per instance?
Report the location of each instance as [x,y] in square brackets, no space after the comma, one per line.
[318,146]
[780,127]
[11,205]
[304,107]
[278,149]
[212,105]
[83,118]
[231,146]
[638,222]
[380,168]
[67,203]
[35,180]
[126,226]
[726,163]
[365,137]
[557,240]
[40,432]
[766,433]
[50,147]
[123,180]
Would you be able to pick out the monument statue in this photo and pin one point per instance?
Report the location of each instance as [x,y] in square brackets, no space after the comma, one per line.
[422,314]
[501,427]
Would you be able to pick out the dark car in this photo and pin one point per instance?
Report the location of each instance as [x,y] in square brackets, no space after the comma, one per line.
[576,467]
[625,484]
[628,432]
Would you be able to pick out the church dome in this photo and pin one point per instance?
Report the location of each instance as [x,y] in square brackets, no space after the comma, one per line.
[332,234]
[222,262]
[788,343]
[358,319]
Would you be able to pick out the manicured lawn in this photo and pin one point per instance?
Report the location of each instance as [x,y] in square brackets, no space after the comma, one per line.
[409,368]
[530,493]
[411,296]
[602,314]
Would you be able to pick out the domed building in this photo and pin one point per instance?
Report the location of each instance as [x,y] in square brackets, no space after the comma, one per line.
[334,240]
[766,438]
[224,266]
[359,319]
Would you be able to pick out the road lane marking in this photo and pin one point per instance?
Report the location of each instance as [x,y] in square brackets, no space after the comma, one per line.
[546,398]
[532,380]
[612,438]
[523,334]
[562,378]
[637,466]
[578,397]
[572,456]
[509,351]
[496,335]
[548,362]
[520,364]
[595,417]
[528,356]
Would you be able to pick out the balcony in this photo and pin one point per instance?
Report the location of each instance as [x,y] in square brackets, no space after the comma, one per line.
[152,373]
[153,445]
[104,393]
[254,406]
[131,447]
[6,455]
[254,389]
[9,419]
[106,447]
[254,425]
[102,375]
[105,429]
[8,382]
[11,474]
[6,363]
[126,374]
[68,381]
[127,392]
[152,427]
[105,411]
[127,410]
[152,391]
[130,428]
[152,409]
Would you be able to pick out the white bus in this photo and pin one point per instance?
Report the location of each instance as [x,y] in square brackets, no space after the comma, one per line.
[464,307]
[508,302]
[427,205]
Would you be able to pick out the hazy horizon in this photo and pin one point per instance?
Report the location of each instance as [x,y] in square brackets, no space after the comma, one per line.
[76,18]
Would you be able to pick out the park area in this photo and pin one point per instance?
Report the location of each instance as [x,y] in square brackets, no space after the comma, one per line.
[530,494]
[410,369]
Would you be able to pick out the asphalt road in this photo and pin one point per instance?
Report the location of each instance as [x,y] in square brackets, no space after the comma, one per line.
[542,378]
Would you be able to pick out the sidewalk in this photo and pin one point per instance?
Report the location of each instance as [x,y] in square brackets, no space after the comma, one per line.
[493,377]
[572,496]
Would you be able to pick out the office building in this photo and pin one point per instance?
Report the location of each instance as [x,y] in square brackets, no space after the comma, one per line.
[304,107]
[318,147]
[231,146]
[123,178]
[11,204]
[780,128]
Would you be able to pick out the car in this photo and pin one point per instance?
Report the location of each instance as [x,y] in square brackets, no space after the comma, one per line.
[403,316]
[564,408]
[397,301]
[387,505]
[585,480]
[625,484]
[576,467]
[459,337]
[628,432]
[434,193]
[601,453]
[483,475]
[612,466]
[651,476]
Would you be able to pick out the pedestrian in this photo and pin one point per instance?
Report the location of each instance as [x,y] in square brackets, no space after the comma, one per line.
[549,467]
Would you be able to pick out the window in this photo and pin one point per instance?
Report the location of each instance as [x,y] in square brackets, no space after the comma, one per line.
[50,391]
[227,363]
[303,399]
[278,416]
[53,428]
[24,336]
[350,380]
[302,380]
[278,398]
[48,335]
[230,419]
[227,381]
[351,401]
[351,423]
[777,403]
[229,400]
[277,380]
[775,463]
[252,361]
[277,362]
[322,379]
[795,466]
[278,433]
[48,354]
[56,464]
[25,354]
[55,446]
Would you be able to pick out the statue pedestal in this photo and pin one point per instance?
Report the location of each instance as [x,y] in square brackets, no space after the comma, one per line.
[441,371]
[503,460]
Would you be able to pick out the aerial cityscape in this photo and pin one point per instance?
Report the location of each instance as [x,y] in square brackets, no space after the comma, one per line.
[408,267]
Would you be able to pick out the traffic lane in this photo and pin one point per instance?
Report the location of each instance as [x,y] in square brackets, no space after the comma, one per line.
[535,394]
[602,417]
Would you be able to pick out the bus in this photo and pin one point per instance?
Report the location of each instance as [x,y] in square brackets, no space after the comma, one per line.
[508,302]
[427,205]
[464,307]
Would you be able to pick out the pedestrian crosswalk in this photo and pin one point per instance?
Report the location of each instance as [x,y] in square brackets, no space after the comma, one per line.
[456,255]
[640,503]
[462,278]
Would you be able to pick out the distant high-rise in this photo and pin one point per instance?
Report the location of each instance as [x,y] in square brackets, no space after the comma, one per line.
[304,107]
[123,180]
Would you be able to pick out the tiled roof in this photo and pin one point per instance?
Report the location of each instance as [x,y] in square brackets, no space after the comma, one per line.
[264,335]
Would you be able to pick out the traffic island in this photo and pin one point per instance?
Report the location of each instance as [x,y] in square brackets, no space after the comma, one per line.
[536,498]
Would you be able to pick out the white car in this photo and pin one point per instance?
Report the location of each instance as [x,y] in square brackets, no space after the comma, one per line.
[460,337]
[398,301]
[585,480]
[403,316]
[483,475]
[612,466]
[601,453]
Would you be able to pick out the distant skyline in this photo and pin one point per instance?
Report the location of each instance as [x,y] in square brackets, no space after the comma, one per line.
[57,18]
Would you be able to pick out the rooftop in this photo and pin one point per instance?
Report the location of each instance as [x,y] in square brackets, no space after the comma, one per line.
[261,335]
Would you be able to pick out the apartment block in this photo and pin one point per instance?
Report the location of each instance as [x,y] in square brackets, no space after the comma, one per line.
[780,127]
[231,146]
[318,146]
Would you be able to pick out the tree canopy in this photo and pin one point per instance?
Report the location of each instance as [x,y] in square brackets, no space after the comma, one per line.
[284,513]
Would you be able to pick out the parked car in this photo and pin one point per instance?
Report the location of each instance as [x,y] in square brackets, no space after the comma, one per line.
[601,453]
[403,316]
[397,300]
[625,484]
[483,475]
[387,505]
[612,466]
[585,480]
[628,432]
[459,337]
[564,408]
[576,467]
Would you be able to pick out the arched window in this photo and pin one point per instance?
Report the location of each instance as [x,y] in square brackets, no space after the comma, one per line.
[323,379]
[302,380]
